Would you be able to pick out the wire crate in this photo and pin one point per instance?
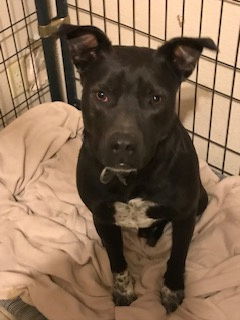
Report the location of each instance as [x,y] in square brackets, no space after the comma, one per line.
[208,103]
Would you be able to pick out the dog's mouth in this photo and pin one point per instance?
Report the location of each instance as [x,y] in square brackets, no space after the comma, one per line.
[121,172]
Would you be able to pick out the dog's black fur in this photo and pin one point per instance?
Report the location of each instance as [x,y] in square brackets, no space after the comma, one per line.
[136,155]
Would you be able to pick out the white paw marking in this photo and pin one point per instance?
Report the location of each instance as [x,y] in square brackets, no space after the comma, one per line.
[123,283]
[171,299]
[133,214]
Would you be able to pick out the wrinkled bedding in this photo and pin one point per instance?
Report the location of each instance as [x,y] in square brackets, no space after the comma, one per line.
[52,257]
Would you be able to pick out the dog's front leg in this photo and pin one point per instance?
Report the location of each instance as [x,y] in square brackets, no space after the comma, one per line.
[123,292]
[172,293]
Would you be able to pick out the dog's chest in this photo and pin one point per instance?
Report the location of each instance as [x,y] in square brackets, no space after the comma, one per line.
[133,214]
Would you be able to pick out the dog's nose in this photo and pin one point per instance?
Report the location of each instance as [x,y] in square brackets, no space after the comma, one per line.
[123,146]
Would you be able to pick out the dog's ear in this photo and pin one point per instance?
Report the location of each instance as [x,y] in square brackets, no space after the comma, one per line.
[183,53]
[86,43]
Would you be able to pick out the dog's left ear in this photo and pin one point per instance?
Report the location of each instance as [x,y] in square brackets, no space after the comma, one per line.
[86,43]
[183,53]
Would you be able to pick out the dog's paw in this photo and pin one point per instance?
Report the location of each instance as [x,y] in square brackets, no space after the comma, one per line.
[123,292]
[120,299]
[171,299]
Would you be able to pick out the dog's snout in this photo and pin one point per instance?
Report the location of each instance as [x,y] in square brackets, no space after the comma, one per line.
[123,147]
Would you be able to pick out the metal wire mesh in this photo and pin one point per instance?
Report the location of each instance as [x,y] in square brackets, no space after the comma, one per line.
[18,32]
[216,81]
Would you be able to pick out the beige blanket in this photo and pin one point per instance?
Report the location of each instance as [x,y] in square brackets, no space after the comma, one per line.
[50,253]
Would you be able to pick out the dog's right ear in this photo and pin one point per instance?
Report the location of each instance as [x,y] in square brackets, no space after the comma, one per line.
[86,43]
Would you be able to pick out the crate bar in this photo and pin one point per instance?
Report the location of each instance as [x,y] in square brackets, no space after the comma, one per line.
[214,79]
[62,9]
[17,55]
[118,22]
[183,18]
[8,81]
[134,23]
[62,12]
[30,50]
[77,12]
[166,22]
[90,12]
[48,44]
[197,71]
[104,16]
[149,23]
[3,124]
[182,32]
[231,101]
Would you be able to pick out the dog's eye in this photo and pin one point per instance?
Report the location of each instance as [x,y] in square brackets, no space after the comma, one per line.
[156,98]
[101,96]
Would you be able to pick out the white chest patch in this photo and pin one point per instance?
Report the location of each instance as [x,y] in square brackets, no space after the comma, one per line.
[133,214]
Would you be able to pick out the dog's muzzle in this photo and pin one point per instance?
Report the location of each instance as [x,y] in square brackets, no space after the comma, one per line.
[121,150]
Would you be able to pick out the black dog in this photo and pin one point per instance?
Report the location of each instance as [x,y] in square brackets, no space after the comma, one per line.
[137,167]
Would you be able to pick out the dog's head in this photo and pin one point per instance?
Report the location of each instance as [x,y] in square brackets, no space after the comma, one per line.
[128,100]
